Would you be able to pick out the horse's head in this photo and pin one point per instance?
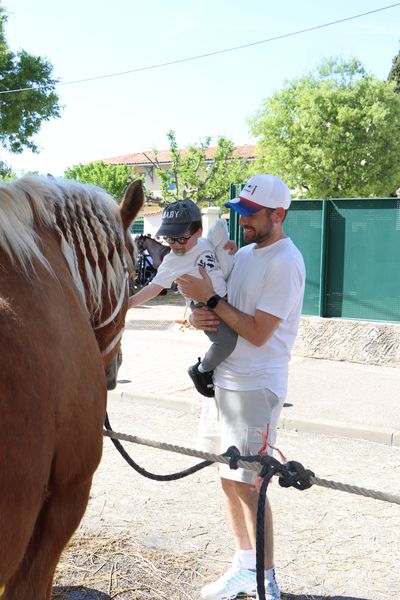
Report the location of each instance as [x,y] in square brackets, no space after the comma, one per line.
[95,243]
[110,324]
[140,241]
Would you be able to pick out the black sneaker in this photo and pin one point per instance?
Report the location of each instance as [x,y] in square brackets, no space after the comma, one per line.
[203,382]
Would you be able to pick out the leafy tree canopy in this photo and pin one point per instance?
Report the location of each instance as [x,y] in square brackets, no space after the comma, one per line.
[394,74]
[334,133]
[194,176]
[6,173]
[113,178]
[22,113]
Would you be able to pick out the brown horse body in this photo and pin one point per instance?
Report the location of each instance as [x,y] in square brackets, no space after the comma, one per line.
[61,320]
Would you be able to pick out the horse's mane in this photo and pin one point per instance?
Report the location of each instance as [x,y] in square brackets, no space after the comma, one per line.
[86,220]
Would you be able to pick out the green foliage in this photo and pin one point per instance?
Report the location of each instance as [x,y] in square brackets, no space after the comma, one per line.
[332,134]
[6,173]
[22,113]
[394,74]
[192,175]
[113,178]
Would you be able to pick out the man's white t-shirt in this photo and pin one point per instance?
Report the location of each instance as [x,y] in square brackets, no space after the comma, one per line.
[270,279]
[201,255]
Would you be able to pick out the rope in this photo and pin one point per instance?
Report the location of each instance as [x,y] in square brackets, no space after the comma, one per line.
[291,474]
[144,472]
[247,463]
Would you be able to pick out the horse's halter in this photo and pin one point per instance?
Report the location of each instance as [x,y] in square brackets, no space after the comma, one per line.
[114,314]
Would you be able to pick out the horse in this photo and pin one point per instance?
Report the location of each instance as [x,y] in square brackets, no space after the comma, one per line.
[156,250]
[65,261]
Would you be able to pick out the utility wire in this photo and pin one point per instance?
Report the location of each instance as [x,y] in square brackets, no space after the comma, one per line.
[216,52]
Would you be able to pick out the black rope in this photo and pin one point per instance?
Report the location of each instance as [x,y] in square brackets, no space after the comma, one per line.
[291,474]
[154,476]
[270,467]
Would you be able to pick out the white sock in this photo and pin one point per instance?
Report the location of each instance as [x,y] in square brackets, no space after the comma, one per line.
[244,559]
[269,574]
[201,369]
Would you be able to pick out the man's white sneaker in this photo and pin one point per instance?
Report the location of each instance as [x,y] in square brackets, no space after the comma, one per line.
[272,591]
[234,582]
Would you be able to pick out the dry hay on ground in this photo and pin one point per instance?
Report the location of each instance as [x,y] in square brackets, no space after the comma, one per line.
[106,566]
[100,566]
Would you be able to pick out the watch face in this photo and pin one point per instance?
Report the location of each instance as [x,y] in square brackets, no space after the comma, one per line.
[213,301]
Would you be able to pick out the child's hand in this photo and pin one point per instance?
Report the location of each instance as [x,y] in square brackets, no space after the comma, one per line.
[231,246]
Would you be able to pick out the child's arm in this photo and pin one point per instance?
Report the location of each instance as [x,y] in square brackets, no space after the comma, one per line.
[147,293]
[230,247]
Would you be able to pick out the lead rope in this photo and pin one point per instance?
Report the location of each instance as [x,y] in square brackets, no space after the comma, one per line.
[291,474]
[269,467]
[153,476]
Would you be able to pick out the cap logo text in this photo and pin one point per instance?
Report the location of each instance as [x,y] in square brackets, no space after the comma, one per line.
[172,214]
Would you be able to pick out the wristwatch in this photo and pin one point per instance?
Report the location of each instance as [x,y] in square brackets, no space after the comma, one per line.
[213,301]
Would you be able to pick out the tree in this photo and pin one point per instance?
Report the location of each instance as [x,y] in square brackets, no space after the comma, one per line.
[6,172]
[332,134]
[22,113]
[195,176]
[394,74]
[113,178]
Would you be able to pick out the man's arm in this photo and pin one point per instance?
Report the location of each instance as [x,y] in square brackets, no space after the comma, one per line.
[255,329]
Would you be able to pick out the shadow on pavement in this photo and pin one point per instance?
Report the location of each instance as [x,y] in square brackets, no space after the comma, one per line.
[78,593]
[84,593]
[313,597]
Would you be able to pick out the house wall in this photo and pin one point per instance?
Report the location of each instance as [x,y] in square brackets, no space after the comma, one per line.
[151,223]
[151,178]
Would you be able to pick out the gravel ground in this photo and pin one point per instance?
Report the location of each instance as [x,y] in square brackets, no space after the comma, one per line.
[329,544]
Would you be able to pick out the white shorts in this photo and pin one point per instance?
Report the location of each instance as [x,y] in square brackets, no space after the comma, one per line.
[238,418]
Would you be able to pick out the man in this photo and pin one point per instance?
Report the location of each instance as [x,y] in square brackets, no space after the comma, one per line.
[263,306]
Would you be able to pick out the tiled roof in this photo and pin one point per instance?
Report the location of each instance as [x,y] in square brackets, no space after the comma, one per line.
[164,156]
[151,209]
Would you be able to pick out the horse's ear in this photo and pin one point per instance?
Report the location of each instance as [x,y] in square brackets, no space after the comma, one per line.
[131,203]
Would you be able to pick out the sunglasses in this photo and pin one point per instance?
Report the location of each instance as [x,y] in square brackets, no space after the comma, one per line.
[178,240]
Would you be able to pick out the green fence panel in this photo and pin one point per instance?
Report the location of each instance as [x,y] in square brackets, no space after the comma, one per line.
[362,269]
[138,226]
[235,231]
[304,224]
[351,250]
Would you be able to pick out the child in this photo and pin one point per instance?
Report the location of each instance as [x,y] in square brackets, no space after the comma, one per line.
[182,228]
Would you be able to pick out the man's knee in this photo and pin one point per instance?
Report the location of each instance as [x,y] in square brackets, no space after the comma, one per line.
[246,492]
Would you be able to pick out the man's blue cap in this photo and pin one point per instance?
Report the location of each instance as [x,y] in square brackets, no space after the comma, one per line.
[261,191]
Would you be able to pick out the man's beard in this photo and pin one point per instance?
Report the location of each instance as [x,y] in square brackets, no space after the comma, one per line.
[257,237]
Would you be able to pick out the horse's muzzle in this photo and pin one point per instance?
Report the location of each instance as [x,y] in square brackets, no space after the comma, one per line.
[112,371]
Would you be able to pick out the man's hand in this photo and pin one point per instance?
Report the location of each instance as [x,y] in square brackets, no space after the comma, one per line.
[199,290]
[205,319]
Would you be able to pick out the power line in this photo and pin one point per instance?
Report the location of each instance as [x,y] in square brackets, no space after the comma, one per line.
[216,52]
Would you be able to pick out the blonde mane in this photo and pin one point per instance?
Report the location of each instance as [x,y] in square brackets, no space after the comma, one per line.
[87,222]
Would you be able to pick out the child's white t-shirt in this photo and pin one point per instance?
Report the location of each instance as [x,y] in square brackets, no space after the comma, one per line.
[201,255]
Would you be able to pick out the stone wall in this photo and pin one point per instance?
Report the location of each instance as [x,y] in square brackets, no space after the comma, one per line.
[355,341]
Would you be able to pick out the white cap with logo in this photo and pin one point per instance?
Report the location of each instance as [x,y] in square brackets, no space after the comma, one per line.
[261,191]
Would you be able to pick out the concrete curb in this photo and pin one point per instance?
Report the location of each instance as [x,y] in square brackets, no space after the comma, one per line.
[378,435]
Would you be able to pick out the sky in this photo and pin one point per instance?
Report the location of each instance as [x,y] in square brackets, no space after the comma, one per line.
[211,96]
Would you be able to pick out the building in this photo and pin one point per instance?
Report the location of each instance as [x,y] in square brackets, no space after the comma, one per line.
[145,163]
